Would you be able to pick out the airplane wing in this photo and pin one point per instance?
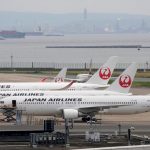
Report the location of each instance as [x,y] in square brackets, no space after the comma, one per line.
[95,109]
[67,86]
[69,79]
[86,110]
[66,79]
[46,78]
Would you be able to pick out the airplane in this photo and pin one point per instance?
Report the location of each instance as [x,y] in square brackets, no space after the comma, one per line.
[59,78]
[84,77]
[120,86]
[72,107]
[104,73]
[98,81]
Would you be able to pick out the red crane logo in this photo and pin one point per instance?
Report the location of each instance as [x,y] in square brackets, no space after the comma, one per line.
[125,81]
[105,73]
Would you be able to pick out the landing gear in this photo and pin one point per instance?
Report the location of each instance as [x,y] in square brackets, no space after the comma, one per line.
[85,119]
[89,119]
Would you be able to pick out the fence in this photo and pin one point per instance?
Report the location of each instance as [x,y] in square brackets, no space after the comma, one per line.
[46,65]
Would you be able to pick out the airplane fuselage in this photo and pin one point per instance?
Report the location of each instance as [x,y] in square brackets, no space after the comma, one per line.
[26,86]
[59,93]
[50,105]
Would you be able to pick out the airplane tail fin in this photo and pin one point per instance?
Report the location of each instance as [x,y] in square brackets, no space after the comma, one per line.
[123,83]
[60,76]
[104,73]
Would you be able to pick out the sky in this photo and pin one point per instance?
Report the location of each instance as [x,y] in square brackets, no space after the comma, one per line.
[67,6]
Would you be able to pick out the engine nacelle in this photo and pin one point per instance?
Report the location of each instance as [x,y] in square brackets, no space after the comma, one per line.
[70,113]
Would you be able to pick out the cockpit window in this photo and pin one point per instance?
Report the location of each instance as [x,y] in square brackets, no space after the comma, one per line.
[1,102]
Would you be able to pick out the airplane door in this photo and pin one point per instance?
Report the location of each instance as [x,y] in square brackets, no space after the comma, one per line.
[13,103]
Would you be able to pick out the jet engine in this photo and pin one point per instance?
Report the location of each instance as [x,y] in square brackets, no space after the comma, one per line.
[70,113]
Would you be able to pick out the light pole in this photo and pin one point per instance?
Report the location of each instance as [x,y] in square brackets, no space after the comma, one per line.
[147,65]
[11,61]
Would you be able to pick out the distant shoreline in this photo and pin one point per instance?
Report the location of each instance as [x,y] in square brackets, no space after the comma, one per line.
[103,46]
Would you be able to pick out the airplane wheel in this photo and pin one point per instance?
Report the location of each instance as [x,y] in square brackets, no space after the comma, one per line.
[94,119]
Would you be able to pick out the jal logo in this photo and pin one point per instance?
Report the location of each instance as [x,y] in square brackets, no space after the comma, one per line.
[105,73]
[125,81]
[59,80]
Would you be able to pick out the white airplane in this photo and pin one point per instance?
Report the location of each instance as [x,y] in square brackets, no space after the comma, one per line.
[59,78]
[71,107]
[102,74]
[98,81]
[120,86]
[85,77]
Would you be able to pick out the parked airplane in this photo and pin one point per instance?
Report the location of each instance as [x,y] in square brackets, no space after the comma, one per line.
[59,78]
[71,107]
[121,86]
[103,74]
[85,77]
[98,81]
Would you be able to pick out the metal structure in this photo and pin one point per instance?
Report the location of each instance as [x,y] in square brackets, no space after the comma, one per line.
[129,135]
[47,139]
[10,111]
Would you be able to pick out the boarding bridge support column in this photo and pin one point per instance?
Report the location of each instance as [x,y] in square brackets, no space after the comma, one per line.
[67,132]
[119,129]
[18,117]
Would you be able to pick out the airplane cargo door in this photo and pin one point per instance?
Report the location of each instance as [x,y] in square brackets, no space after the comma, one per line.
[13,103]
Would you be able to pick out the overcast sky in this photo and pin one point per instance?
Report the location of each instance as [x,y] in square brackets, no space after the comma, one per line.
[63,6]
